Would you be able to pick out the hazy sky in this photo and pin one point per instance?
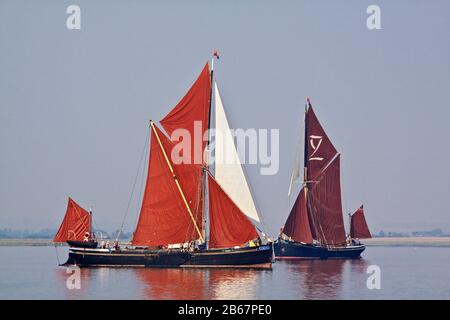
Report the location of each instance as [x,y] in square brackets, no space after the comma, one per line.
[75,104]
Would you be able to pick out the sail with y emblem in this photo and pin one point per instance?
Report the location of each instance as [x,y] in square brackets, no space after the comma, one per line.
[315,226]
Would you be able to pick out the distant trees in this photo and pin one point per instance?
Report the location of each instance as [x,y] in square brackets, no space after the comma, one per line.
[427,233]
[8,233]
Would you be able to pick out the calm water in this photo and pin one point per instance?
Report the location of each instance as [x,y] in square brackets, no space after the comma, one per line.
[406,273]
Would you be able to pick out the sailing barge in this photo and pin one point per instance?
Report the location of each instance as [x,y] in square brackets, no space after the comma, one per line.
[188,217]
[315,225]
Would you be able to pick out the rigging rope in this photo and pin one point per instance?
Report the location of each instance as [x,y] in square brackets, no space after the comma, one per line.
[134,185]
[57,257]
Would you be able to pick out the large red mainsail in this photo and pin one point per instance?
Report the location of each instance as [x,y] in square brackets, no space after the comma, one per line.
[319,149]
[358,225]
[229,227]
[191,114]
[297,224]
[326,206]
[164,218]
[75,225]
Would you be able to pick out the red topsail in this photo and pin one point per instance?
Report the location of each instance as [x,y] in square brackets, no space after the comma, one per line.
[229,226]
[358,225]
[319,149]
[76,224]
[191,114]
[164,218]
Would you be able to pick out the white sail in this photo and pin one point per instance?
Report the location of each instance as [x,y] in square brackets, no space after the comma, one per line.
[228,168]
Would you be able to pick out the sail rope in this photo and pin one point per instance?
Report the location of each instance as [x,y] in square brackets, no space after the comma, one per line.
[141,159]
[344,203]
[57,257]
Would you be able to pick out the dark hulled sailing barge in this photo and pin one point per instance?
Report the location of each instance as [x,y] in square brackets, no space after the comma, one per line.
[182,201]
[315,226]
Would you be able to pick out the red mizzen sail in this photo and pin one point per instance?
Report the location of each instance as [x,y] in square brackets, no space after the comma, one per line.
[164,218]
[319,149]
[358,225]
[229,226]
[192,108]
[75,225]
[326,206]
[297,224]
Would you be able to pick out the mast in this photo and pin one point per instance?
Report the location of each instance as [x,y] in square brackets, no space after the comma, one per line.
[305,152]
[210,96]
[90,222]
[176,181]
[206,161]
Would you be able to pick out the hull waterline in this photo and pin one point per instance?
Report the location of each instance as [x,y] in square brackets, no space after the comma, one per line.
[294,250]
[254,257]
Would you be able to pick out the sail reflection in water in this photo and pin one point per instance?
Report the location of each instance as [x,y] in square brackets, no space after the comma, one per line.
[198,284]
[325,279]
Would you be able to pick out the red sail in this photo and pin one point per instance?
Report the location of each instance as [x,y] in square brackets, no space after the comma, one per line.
[358,225]
[192,114]
[229,227]
[297,225]
[75,225]
[326,207]
[319,149]
[164,218]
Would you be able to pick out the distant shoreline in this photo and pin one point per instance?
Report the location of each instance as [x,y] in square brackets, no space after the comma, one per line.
[408,242]
[374,242]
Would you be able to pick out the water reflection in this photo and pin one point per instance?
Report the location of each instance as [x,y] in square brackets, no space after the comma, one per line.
[290,279]
[174,283]
[184,283]
[233,283]
[62,277]
[322,279]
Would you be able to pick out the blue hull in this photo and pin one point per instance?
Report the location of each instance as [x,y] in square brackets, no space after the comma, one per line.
[291,250]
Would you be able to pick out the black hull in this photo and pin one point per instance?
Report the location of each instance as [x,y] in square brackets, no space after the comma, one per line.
[291,250]
[255,257]
[83,244]
[126,258]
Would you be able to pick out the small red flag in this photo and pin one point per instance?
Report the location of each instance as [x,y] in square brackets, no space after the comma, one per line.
[216,53]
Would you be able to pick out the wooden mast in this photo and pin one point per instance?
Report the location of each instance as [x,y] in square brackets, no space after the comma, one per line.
[206,161]
[176,181]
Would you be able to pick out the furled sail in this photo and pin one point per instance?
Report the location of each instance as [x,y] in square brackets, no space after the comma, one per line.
[75,225]
[297,225]
[319,148]
[358,225]
[164,218]
[229,172]
[191,114]
[325,205]
[229,227]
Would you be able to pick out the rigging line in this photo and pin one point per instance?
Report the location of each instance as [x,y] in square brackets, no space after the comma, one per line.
[141,187]
[343,201]
[57,258]
[133,188]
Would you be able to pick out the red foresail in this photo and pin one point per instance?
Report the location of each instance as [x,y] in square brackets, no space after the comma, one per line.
[358,225]
[229,227]
[319,149]
[326,206]
[164,218]
[297,225]
[192,114]
[76,224]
